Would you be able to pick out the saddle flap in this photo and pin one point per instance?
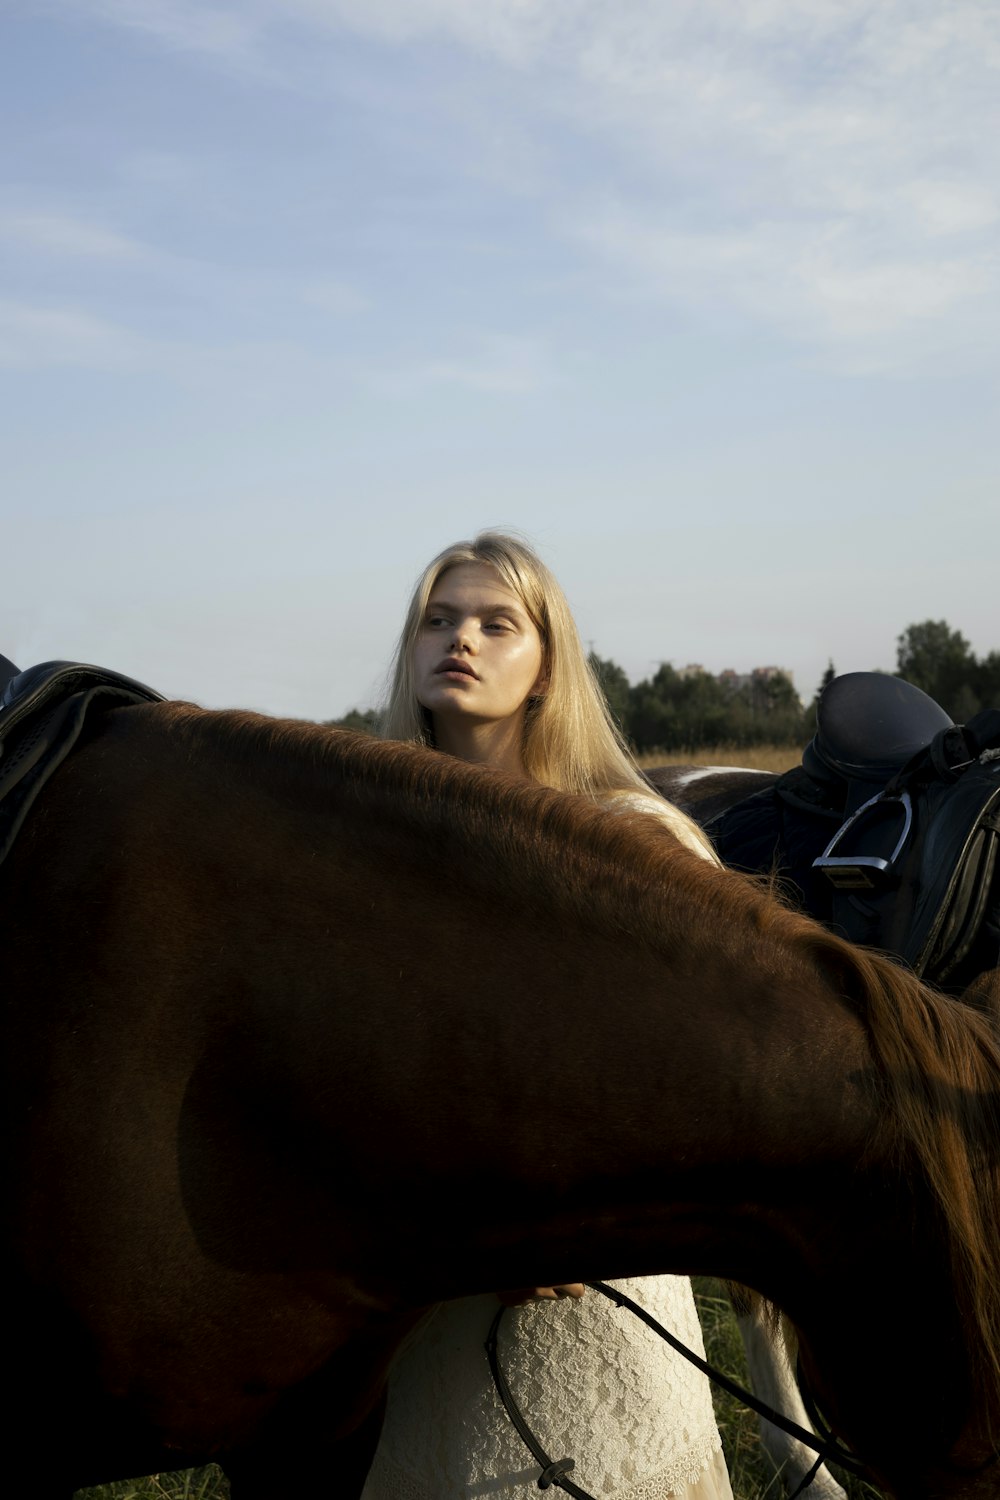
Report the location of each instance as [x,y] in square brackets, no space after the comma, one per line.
[934,896]
[957,864]
[42,712]
[29,692]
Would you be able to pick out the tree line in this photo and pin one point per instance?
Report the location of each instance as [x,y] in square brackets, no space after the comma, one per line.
[692,709]
[941,661]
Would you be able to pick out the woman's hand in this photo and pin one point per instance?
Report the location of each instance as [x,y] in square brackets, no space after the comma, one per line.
[522,1294]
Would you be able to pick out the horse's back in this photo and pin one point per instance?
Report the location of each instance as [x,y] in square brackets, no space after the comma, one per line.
[707,791]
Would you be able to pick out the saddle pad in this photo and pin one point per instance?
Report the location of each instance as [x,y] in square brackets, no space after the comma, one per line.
[42,713]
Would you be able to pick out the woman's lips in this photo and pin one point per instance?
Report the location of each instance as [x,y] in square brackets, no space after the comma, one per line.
[454,669]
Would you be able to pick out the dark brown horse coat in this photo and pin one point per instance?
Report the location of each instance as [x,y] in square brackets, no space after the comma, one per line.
[306,1032]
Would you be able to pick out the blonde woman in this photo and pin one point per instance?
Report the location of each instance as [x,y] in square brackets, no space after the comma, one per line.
[490,668]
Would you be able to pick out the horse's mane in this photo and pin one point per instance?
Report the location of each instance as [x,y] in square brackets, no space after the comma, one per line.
[937,1059]
[939,1066]
[502,831]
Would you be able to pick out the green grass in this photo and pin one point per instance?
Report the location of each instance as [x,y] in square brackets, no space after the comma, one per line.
[189,1484]
[751,1473]
[750,1470]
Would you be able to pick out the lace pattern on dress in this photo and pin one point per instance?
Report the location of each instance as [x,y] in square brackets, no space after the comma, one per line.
[593,1382]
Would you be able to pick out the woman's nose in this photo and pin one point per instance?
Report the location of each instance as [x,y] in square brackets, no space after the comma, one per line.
[462,638]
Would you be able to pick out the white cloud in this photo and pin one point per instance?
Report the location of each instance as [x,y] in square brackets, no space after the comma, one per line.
[59,234]
[876,299]
[862,308]
[945,208]
[828,166]
[497,364]
[229,33]
[254,372]
[336,297]
[514,31]
[39,337]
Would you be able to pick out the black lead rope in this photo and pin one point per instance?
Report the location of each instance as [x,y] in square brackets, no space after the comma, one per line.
[554,1472]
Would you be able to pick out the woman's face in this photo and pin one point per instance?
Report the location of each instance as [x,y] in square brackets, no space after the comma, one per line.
[477,655]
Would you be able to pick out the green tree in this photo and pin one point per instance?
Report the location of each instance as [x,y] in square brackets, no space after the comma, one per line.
[614,685]
[692,710]
[775,693]
[705,711]
[987,680]
[809,714]
[652,711]
[938,659]
[825,680]
[785,721]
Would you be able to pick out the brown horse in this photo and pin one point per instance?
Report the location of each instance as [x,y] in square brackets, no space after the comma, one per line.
[305,1032]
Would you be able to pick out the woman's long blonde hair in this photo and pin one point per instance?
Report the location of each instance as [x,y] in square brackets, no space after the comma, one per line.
[570,740]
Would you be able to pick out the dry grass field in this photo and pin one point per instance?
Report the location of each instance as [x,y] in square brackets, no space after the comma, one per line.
[751,757]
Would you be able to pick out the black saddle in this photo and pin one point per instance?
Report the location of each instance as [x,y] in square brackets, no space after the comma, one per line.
[889,830]
[42,714]
[868,725]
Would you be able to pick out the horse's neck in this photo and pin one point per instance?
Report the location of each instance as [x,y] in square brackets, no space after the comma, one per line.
[565,1106]
[514,1093]
[500,1084]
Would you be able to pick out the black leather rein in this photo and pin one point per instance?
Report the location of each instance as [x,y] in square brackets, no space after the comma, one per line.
[554,1472]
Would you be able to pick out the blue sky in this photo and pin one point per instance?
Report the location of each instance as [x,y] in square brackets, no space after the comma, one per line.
[704,298]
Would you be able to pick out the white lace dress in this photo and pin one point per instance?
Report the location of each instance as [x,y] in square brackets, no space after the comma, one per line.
[594,1383]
